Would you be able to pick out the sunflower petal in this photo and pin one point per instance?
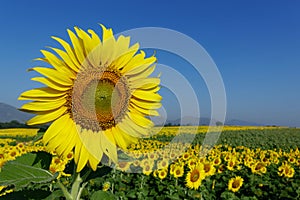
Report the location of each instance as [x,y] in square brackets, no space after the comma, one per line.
[144,74]
[145,104]
[55,128]
[108,147]
[43,106]
[83,157]
[48,117]
[59,142]
[127,129]
[143,111]
[51,84]
[146,83]
[78,48]
[118,136]
[69,51]
[91,141]
[67,59]
[147,96]
[54,75]
[40,93]
[57,63]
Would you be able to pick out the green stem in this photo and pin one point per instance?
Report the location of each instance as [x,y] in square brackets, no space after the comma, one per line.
[80,190]
[76,186]
[65,191]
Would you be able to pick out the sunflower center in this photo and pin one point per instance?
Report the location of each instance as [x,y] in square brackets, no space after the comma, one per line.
[195,176]
[100,99]
[235,184]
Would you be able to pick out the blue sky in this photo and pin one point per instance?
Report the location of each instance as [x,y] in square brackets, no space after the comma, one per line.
[255,44]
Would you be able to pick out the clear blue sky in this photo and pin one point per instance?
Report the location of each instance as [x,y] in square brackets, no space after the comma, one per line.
[255,44]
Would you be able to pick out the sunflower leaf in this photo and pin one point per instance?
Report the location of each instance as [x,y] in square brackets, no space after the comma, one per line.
[25,170]
[102,195]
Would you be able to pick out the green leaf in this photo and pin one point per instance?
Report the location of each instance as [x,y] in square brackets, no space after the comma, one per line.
[55,195]
[25,170]
[102,195]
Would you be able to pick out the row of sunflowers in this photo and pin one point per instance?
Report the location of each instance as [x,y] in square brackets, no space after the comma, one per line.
[153,168]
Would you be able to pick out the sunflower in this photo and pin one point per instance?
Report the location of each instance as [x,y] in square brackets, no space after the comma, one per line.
[98,95]
[162,173]
[286,170]
[209,168]
[258,168]
[123,166]
[164,163]
[178,171]
[235,184]
[195,176]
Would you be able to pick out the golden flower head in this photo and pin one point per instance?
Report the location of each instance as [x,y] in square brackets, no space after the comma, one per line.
[235,184]
[98,94]
[195,176]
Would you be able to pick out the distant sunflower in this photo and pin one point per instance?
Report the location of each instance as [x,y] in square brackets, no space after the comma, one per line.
[195,176]
[162,173]
[178,171]
[98,95]
[235,184]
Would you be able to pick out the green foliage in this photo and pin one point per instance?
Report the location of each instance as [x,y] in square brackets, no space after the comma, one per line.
[26,170]
[28,175]
[102,195]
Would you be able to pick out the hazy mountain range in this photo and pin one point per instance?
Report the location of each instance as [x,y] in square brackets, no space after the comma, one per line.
[9,113]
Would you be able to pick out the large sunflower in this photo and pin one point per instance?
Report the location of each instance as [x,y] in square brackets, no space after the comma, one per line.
[98,94]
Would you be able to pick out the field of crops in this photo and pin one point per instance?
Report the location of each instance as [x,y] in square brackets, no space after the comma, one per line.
[245,163]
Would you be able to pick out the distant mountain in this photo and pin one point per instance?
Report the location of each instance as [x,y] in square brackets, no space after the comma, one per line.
[188,120]
[9,113]
[237,122]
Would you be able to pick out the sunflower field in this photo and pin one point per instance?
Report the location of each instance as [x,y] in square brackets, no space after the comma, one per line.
[245,163]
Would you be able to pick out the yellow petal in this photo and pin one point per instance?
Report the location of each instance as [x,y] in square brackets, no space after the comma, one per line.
[117,134]
[124,126]
[40,93]
[70,134]
[58,64]
[69,51]
[95,39]
[122,45]
[143,111]
[52,84]
[108,147]
[137,68]
[55,128]
[93,162]
[54,75]
[66,58]
[83,158]
[146,83]
[144,74]
[59,142]
[106,33]
[86,39]
[48,117]
[139,119]
[145,104]
[142,130]
[121,60]
[43,106]
[147,96]
[91,141]
[77,45]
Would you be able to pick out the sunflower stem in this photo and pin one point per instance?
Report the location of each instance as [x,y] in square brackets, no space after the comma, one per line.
[76,186]
[64,190]
[80,190]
